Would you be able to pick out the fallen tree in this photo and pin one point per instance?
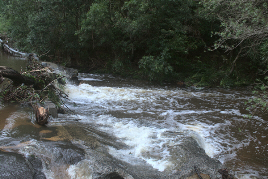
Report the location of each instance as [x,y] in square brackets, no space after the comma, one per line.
[37,86]
[34,86]
[12,51]
[15,76]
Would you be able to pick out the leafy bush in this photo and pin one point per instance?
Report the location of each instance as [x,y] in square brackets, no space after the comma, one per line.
[4,24]
[155,68]
[258,104]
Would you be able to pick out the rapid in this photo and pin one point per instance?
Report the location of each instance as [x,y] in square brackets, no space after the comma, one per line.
[151,120]
[127,128]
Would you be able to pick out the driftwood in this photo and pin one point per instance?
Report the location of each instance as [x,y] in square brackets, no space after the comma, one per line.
[15,76]
[34,84]
[24,92]
[13,52]
[41,114]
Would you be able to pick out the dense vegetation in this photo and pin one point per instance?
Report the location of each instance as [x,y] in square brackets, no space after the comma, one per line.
[206,43]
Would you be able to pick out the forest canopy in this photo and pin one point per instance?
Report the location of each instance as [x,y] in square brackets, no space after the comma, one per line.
[202,43]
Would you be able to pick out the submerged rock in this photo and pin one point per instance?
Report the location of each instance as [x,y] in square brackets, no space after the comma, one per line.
[14,166]
[186,157]
[191,157]
[192,163]
[36,165]
[66,154]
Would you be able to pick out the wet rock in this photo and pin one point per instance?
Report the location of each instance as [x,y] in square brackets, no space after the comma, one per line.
[225,174]
[113,175]
[71,73]
[95,144]
[51,108]
[50,65]
[61,110]
[35,162]
[14,166]
[32,56]
[39,175]
[191,157]
[187,155]
[103,166]
[195,176]
[68,154]
[37,167]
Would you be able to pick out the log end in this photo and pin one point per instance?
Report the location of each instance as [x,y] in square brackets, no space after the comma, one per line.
[41,115]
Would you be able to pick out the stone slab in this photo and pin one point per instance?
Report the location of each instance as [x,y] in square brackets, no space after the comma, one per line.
[51,108]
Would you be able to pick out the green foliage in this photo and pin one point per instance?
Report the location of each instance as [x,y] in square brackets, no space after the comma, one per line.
[4,25]
[259,103]
[243,25]
[139,30]
[161,40]
[244,33]
[118,67]
[126,33]
[264,52]
[16,13]
[155,68]
[46,27]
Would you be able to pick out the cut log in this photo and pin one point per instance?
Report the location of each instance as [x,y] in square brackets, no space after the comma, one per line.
[15,76]
[41,115]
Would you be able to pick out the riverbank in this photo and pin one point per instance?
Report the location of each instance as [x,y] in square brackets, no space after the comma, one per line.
[200,79]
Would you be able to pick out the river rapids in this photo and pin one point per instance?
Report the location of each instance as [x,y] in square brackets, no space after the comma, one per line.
[122,128]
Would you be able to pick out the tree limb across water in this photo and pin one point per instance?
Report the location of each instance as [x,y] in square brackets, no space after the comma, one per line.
[15,76]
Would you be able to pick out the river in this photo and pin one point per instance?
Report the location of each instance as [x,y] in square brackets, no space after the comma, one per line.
[138,130]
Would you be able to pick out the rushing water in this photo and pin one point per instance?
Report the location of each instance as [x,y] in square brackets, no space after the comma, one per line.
[152,119]
[140,124]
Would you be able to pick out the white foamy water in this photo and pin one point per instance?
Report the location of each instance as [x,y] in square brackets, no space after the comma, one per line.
[86,93]
[81,170]
[151,121]
[146,142]
[142,142]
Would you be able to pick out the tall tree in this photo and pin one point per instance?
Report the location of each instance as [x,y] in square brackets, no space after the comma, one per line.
[47,27]
[244,26]
[156,35]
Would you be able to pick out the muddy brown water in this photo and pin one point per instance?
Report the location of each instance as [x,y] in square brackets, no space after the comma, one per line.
[16,63]
[137,124]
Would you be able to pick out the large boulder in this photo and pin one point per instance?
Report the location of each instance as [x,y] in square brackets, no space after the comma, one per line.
[14,166]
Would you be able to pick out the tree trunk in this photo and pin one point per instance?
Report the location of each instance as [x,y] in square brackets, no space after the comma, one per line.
[15,76]
[233,63]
